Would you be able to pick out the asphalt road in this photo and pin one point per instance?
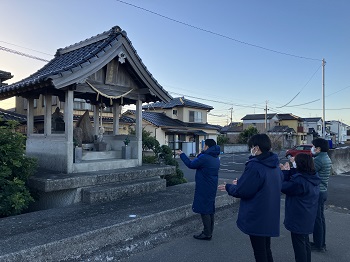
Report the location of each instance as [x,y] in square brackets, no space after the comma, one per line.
[232,166]
[230,244]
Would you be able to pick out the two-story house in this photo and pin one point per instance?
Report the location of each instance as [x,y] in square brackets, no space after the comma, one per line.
[180,123]
[339,129]
[297,124]
[314,127]
[262,122]
[287,129]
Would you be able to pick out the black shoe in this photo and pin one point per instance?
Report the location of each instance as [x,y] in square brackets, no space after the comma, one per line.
[201,236]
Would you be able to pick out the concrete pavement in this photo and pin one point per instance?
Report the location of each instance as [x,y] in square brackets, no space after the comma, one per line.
[230,244]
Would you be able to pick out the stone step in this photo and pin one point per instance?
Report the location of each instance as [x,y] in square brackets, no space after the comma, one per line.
[108,164]
[98,155]
[120,190]
[58,190]
[107,231]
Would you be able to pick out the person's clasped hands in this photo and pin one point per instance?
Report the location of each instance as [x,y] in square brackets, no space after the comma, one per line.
[178,152]
[286,165]
[222,187]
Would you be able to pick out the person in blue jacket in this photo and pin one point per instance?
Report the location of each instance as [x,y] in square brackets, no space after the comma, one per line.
[301,186]
[207,165]
[259,189]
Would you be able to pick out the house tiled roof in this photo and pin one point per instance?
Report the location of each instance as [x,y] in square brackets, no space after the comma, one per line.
[9,115]
[282,129]
[234,127]
[162,120]
[312,119]
[288,117]
[159,119]
[70,60]
[177,102]
[258,116]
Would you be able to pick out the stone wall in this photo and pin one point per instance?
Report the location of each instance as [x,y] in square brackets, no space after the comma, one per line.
[51,151]
[340,160]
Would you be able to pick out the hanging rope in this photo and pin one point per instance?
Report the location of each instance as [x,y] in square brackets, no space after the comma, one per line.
[108,96]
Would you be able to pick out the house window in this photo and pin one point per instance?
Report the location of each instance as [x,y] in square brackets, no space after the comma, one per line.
[43,102]
[195,117]
[80,104]
[35,103]
[318,127]
[25,103]
[175,112]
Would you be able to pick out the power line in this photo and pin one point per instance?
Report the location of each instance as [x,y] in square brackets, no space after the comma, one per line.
[22,54]
[215,101]
[26,48]
[319,98]
[302,88]
[217,34]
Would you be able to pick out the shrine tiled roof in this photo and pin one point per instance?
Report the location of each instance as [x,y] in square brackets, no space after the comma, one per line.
[71,59]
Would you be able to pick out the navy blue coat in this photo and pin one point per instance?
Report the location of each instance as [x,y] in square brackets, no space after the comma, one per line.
[259,189]
[302,191]
[207,164]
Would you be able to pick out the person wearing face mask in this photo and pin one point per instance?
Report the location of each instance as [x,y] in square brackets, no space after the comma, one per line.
[301,186]
[259,189]
[207,166]
[323,166]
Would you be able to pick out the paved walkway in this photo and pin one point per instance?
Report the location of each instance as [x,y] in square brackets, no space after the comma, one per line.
[230,244]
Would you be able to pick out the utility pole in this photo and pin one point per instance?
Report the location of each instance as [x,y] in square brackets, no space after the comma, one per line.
[266,116]
[231,108]
[323,100]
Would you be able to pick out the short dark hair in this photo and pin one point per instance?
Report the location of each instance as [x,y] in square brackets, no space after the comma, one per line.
[321,143]
[210,142]
[261,140]
[305,163]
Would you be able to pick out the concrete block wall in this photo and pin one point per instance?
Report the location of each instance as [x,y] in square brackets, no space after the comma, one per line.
[235,148]
[340,160]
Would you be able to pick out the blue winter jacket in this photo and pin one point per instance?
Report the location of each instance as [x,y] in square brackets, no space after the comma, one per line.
[259,189]
[207,164]
[302,191]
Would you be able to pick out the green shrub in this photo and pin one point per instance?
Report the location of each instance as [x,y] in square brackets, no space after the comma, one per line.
[167,156]
[222,139]
[15,168]
[162,154]
[176,179]
[246,134]
[149,159]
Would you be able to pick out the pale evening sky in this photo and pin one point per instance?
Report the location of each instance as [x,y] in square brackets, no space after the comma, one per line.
[224,53]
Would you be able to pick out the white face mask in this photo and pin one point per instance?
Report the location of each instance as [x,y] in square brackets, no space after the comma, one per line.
[313,150]
[252,151]
[294,164]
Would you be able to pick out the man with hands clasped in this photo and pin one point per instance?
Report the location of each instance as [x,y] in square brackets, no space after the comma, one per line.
[259,189]
[207,166]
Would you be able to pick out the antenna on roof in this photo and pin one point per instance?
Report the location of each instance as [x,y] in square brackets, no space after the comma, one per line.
[181,100]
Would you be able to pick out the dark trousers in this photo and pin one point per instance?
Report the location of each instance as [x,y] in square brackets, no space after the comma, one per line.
[301,246]
[208,224]
[319,234]
[262,248]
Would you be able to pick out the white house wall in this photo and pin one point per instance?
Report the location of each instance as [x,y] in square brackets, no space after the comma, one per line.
[340,130]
